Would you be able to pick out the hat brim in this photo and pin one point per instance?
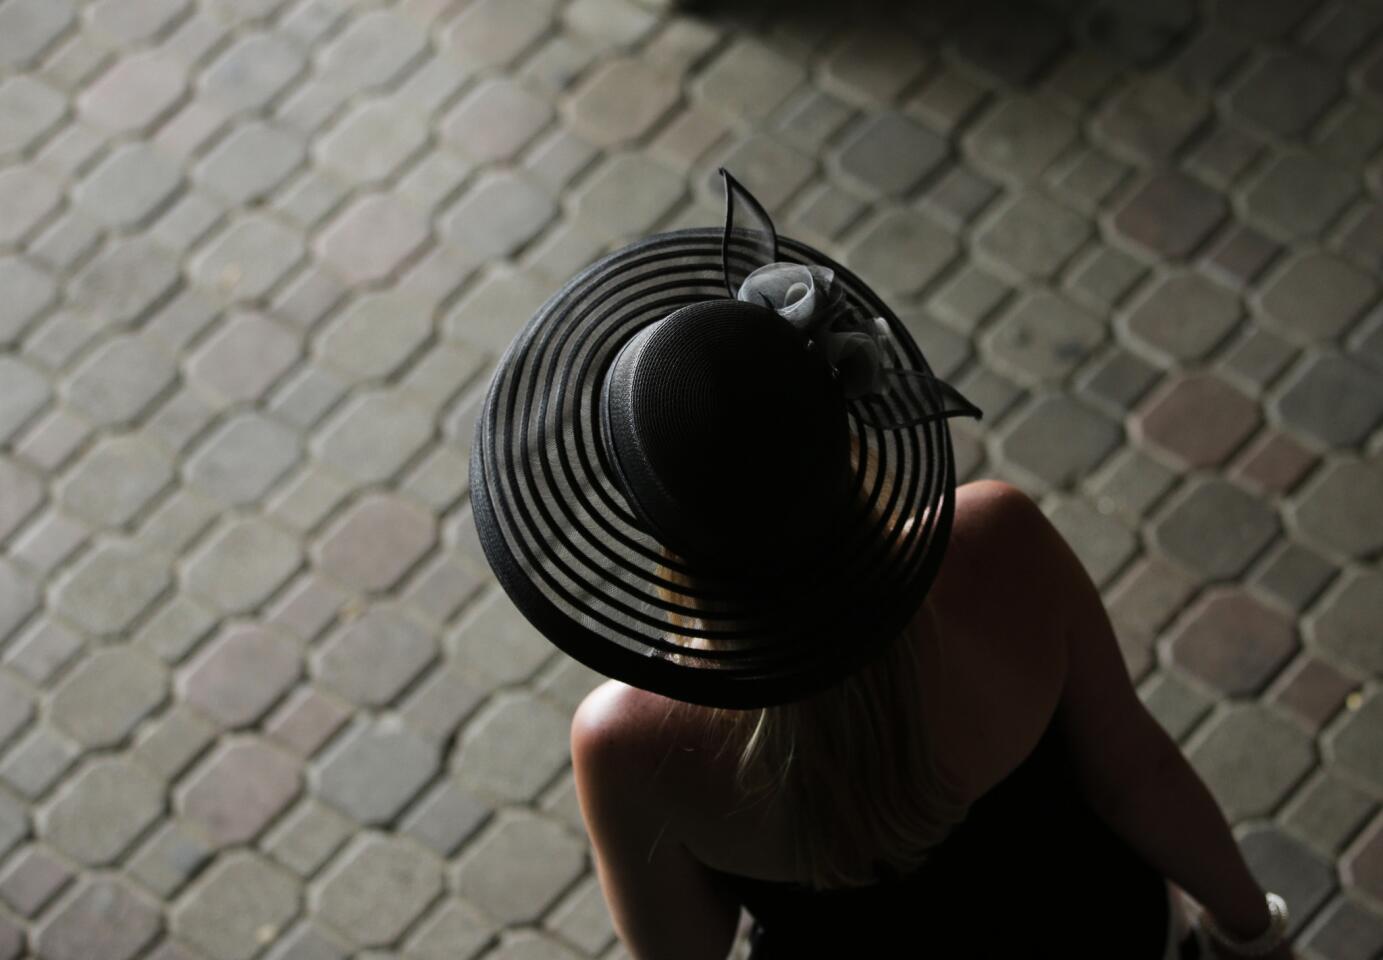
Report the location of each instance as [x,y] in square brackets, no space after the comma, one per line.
[566,548]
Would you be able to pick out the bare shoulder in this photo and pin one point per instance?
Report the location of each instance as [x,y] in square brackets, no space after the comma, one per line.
[999,621]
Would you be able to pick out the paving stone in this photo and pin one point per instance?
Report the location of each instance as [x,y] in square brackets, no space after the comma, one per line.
[236,907]
[1223,155]
[251,162]
[21,493]
[130,185]
[1299,194]
[1344,627]
[1012,43]
[376,542]
[455,929]
[32,877]
[1275,463]
[244,458]
[307,836]
[1170,214]
[1085,178]
[1241,254]
[99,812]
[608,23]
[1258,356]
[127,22]
[889,154]
[769,169]
[27,197]
[1361,241]
[116,383]
[748,79]
[555,159]
[371,438]
[1043,338]
[40,758]
[115,480]
[446,817]
[377,887]
[969,297]
[22,393]
[1101,542]
[376,334]
[29,110]
[1137,32]
[251,72]
[374,770]
[176,521]
[1331,398]
[499,214]
[1284,93]
[1314,690]
[306,396]
[110,586]
[1327,812]
[1199,418]
[1031,236]
[14,822]
[901,251]
[1182,315]
[519,866]
[307,720]
[107,695]
[1316,296]
[42,649]
[1058,439]
[18,597]
[1295,575]
[496,646]
[512,749]
[242,358]
[31,290]
[17,708]
[248,258]
[823,213]
[242,564]
[240,789]
[373,140]
[1176,705]
[1215,528]
[104,918]
[1362,865]
[372,51]
[372,237]
[491,33]
[807,121]
[1233,642]
[1339,509]
[134,93]
[241,673]
[1250,758]
[627,195]
[621,101]
[1151,117]
[1354,743]
[171,857]
[1280,862]
[305,940]
[1346,928]
[1105,276]
[1260,20]
[351,663]
[1018,139]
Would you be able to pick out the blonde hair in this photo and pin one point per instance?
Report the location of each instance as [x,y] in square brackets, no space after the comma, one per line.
[850,768]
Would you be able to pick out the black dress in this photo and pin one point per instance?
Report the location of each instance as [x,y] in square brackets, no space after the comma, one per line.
[1031,872]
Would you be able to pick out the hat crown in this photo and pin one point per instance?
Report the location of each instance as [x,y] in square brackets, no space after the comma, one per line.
[730,437]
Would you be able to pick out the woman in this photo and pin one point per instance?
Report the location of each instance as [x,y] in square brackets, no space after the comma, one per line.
[811,715]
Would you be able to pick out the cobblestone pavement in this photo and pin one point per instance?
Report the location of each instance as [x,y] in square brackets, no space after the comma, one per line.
[259,693]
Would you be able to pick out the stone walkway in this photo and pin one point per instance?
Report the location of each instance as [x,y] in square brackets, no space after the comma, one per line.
[259,693]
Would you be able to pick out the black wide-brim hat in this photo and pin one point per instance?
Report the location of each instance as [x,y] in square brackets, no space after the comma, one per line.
[662,480]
